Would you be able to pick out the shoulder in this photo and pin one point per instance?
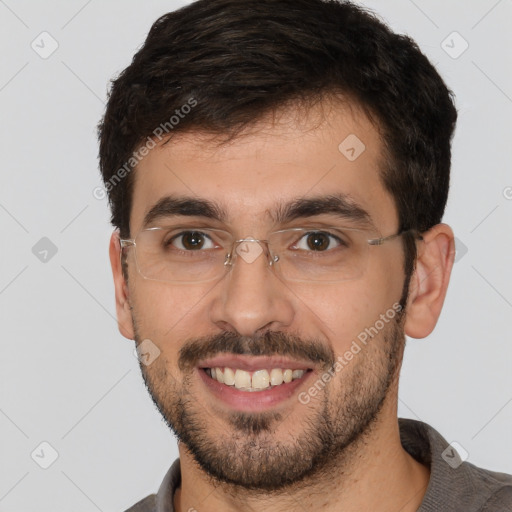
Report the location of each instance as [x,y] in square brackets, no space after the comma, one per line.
[500,498]
[455,483]
[163,500]
[148,504]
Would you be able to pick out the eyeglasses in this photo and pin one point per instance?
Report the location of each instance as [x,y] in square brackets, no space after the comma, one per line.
[178,254]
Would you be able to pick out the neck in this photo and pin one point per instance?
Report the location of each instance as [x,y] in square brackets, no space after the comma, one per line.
[373,473]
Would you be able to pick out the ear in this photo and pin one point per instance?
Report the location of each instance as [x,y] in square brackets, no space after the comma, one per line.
[124,316]
[429,281]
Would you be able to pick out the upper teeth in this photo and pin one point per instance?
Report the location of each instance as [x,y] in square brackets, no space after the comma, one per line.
[259,379]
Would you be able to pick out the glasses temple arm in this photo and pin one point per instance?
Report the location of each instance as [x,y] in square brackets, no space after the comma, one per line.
[380,241]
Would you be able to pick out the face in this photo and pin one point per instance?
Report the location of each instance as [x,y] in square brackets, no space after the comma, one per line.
[253,321]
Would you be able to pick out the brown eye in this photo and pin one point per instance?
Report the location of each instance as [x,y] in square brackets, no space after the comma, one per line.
[191,241]
[317,241]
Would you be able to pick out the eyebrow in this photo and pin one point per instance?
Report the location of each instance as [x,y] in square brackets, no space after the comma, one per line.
[172,206]
[341,205]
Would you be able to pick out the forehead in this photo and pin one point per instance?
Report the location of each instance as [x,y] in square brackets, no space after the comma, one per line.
[252,181]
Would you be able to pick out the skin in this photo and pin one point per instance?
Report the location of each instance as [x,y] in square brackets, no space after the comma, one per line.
[280,160]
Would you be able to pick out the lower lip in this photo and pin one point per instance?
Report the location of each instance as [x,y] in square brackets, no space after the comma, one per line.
[252,400]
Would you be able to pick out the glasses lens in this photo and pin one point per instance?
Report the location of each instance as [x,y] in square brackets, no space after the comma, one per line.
[322,255]
[177,254]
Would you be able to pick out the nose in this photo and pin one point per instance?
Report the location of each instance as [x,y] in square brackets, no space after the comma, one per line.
[251,297]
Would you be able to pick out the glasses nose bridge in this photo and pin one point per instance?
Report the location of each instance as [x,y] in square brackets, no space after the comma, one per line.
[248,254]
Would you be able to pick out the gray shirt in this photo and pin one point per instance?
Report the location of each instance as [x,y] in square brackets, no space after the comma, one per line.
[454,486]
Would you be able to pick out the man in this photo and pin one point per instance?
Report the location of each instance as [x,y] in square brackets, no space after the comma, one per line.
[278,171]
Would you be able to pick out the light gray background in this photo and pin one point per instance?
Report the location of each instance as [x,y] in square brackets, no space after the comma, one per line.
[69,378]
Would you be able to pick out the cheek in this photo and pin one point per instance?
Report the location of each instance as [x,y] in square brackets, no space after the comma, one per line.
[380,296]
[164,313]
[338,311]
[344,311]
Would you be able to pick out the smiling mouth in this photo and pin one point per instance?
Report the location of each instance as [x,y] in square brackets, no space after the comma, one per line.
[259,380]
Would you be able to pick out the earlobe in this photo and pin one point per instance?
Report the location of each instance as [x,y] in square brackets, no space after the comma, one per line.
[429,282]
[123,308]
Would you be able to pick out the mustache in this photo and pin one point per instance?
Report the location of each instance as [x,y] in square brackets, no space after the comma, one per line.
[271,343]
